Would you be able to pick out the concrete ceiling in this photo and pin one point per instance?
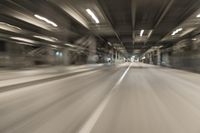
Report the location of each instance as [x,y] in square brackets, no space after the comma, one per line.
[121,21]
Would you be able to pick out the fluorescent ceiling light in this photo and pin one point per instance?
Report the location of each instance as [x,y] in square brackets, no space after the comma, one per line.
[24,43]
[198,16]
[5,26]
[180,29]
[176,31]
[54,46]
[143,57]
[23,39]
[109,44]
[46,20]
[173,34]
[141,33]
[51,39]
[69,45]
[150,33]
[92,15]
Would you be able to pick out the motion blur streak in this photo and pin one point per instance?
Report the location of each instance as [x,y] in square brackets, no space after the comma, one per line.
[141,104]
[99,66]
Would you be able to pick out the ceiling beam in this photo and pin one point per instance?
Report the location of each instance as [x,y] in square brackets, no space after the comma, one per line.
[133,14]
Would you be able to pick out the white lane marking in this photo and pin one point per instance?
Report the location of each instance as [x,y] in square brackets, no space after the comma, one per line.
[88,126]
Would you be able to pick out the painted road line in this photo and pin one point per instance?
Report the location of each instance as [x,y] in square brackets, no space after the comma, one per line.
[90,123]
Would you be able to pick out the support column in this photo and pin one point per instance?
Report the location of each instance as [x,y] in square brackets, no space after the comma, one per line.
[150,58]
[158,57]
[92,57]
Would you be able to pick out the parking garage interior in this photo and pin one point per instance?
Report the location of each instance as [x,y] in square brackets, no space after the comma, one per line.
[99,66]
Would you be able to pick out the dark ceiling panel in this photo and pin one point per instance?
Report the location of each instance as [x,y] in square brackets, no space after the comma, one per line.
[179,11]
[119,14]
[148,13]
[160,15]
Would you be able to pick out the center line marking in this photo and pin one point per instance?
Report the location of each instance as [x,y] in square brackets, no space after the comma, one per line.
[90,123]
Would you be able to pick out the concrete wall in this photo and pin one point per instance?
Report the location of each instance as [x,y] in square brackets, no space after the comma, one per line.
[84,52]
[15,56]
[183,55]
[19,55]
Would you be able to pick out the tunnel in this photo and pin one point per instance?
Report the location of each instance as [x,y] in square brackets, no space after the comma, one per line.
[99,66]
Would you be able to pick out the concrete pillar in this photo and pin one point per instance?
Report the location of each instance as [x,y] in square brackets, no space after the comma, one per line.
[92,57]
[158,57]
[66,57]
[116,56]
[150,58]
[113,55]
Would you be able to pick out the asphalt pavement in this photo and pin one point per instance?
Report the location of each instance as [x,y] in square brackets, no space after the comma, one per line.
[132,98]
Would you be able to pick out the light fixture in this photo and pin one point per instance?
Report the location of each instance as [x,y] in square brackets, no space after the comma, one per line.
[141,33]
[109,44]
[51,39]
[54,46]
[194,39]
[69,45]
[143,58]
[61,54]
[25,43]
[150,33]
[5,26]
[92,15]
[198,16]
[180,29]
[57,53]
[176,31]
[46,20]
[22,39]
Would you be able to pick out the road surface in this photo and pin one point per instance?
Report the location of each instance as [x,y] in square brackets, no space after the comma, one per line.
[133,98]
